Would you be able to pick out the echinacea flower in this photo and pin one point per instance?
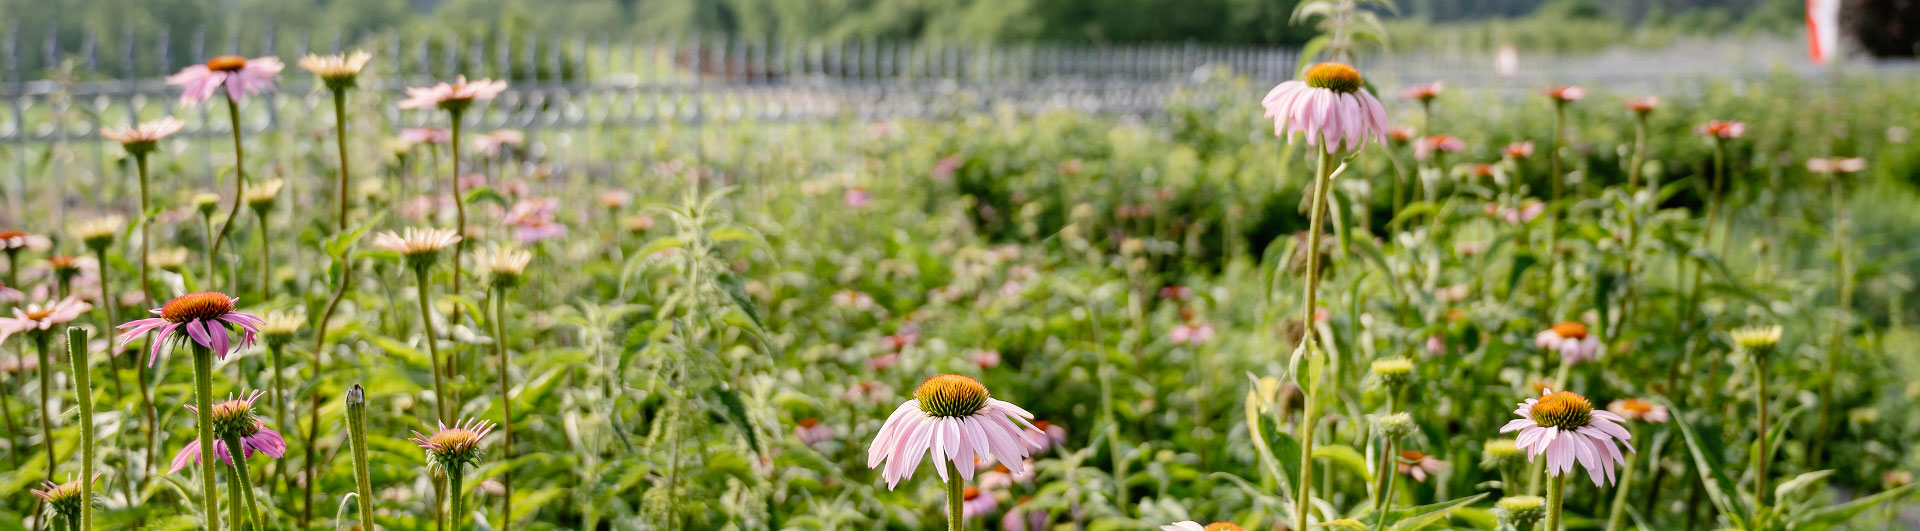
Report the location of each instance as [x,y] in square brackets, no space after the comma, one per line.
[502,264]
[1331,106]
[1024,516]
[455,96]
[1639,410]
[143,138]
[420,246]
[534,220]
[953,419]
[278,327]
[455,446]
[1566,93]
[63,499]
[1518,150]
[1836,165]
[491,144]
[1722,129]
[1046,435]
[1191,525]
[429,135]
[1418,465]
[1520,512]
[985,359]
[1642,106]
[241,77]
[97,233]
[1571,340]
[1758,341]
[13,241]
[1564,427]
[811,432]
[235,419]
[1190,333]
[1401,135]
[168,259]
[262,196]
[207,317]
[1528,211]
[1423,93]
[40,317]
[1431,144]
[337,71]
[975,503]
[615,199]
[1500,453]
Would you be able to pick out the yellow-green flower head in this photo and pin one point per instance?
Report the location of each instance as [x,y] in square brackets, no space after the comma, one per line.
[1393,425]
[1520,512]
[1500,453]
[1392,373]
[206,203]
[62,499]
[278,328]
[98,233]
[261,196]
[1758,341]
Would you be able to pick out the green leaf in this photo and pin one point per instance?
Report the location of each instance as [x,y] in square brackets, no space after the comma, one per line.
[1417,517]
[485,193]
[1827,517]
[1706,452]
[737,414]
[737,292]
[1345,456]
[1801,481]
[338,245]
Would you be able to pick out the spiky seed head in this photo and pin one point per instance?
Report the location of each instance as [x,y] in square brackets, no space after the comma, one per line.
[98,233]
[951,395]
[63,499]
[278,328]
[203,306]
[1520,512]
[1392,373]
[1758,341]
[1500,453]
[1563,409]
[1393,426]
[1337,77]
[206,202]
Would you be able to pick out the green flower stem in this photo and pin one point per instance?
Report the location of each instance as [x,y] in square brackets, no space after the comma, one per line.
[956,519]
[236,497]
[1628,305]
[339,292]
[40,340]
[1556,493]
[455,496]
[203,400]
[1760,456]
[146,293]
[433,348]
[506,406]
[77,351]
[1616,515]
[244,478]
[266,257]
[279,398]
[357,439]
[1322,182]
[1556,179]
[460,218]
[1383,484]
[239,192]
[340,137]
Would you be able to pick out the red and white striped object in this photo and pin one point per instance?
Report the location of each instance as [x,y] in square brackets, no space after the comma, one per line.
[1823,30]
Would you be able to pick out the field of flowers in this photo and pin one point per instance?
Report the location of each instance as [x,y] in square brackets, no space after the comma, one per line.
[1379,306]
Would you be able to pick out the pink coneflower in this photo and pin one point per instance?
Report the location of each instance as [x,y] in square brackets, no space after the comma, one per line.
[1002,477]
[1638,409]
[1566,93]
[1401,135]
[1836,165]
[1722,129]
[455,446]
[240,75]
[847,298]
[1527,211]
[534,220]
[1431,144]
[64,499]
[1642,106]
[1483,170]
[811,432]
[455,96]
[1024,516]
[615,199]
[429,135]
[141,139]
[1418,465]
[1423,93]
[207,317]
[1331,106]
[975,503]
[1565,428]
[870,391]
[40,317]
[9,294]
[884,361]
[943,169]
[986,359]
[13,241]
[1436,344]
[857,197]
[1190,333]
[234,419]
[953,419]
[1046,435]
[491,144]
[1176,293]
[1518,150]
[1571,340]
[1191,525]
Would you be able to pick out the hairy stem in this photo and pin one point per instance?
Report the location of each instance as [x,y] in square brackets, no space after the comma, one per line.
[83,394]
[203,399]
[433,349]
[1322,182]
[357,439]
[239,191]
[506,406]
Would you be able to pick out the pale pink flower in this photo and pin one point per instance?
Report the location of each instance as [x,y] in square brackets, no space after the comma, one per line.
[1046,435]
[429,135]
[241,77]
[1566,429]
[1431,144]
[943,168]
[1194,333]
[986,359]
[1423,92]
[847,298]
[1436,345]
[142,138]
[975,503]
[1400,134]
[491,144]
[884,361]
[953,419]
[1836,165]
[9,294]
[1528,211]
[207,318]
[535,219]
[870,391]
[1722,129]
[453,96]
[1643,106]
[1638,409]
[1024,516]
[1419,465]
[40,317]
[1331,106]
[1571,340]
[1190,525]
[811,432]
[14,240]
[1176,293]
[1518,150]
[857,197]
[1566,93]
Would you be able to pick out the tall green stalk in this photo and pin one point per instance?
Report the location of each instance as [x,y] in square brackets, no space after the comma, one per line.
[83,394]
[239,193]
[1556,495]
[146,296]
[1616,515]
[506,406]
[455,496]
[357,440]
[440,397]
[40,340]
[339,291]
[203,400]
[1760,455]
[242,482]
[1322,182]
[956,518]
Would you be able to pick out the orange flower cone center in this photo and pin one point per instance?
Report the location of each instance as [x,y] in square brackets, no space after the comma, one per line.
[1222,526]
[1565,410]
[197,306]
[1571,330]
[1338,77]
[951,395]
[227,63]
